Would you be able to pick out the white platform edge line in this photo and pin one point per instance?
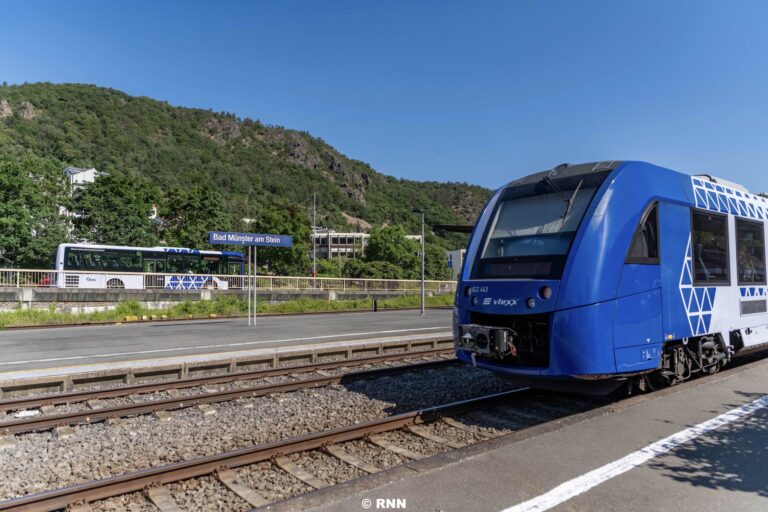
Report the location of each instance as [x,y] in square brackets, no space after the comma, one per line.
[587,481]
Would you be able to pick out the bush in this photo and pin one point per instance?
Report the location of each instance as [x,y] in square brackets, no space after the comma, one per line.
[129,308]
[224,305]
[329,268]
[372,270]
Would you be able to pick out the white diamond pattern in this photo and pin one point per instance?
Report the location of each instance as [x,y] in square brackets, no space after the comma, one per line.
[698,300]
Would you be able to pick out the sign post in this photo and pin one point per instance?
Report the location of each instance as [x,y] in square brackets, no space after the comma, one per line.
[248,268]
[252,241]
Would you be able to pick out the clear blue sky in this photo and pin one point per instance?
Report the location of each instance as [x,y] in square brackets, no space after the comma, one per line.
[469,91]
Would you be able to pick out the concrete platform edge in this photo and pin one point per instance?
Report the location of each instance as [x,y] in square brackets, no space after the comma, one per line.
[68,378]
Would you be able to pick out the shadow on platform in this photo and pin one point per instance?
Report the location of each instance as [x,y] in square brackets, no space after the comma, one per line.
[732,458]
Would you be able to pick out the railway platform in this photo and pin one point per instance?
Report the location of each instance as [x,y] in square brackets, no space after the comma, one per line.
[696,446]
[68,357]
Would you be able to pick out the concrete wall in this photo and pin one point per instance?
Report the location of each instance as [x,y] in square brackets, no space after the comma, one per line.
[83,301]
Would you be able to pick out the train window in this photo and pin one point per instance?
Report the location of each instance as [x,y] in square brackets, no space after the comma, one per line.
[644,249]
[750,252]
[709,248]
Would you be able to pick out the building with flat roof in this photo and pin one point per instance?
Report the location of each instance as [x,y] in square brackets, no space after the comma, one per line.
[331,244]
[80,177]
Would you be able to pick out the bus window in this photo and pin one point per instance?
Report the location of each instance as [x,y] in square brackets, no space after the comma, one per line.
[209,264]
[176,263]
[92,261]
[154,265]
[192,263]
[72,260]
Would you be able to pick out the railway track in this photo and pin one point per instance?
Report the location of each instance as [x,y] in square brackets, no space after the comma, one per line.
[246,477]
[32,402]
[97,412]
[433,429]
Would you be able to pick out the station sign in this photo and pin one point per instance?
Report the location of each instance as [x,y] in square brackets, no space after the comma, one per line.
[252,239]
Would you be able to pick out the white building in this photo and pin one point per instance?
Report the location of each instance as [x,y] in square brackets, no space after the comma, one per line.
[455,262]
[80,177]
[331,244]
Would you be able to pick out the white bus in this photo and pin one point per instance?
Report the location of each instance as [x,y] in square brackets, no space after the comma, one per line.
[171,268]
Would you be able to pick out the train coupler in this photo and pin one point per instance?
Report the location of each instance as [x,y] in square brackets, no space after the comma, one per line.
[487,340]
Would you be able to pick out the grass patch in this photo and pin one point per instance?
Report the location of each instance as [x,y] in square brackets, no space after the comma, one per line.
[222,305]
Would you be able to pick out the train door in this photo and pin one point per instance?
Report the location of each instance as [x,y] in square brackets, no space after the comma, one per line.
[676,270]
[638,315]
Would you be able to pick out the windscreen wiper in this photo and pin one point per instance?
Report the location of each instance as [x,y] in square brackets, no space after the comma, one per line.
[569,202]
[553,186]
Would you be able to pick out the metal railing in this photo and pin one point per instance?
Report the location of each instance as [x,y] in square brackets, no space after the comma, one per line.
[24,278]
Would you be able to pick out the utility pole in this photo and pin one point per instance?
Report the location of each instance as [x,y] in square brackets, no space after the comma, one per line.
[314,227]
[423,254]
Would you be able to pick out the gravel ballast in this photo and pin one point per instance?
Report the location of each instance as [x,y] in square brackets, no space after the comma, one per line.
[43,461]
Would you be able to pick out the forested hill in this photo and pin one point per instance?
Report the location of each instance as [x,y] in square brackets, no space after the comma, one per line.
[253,164]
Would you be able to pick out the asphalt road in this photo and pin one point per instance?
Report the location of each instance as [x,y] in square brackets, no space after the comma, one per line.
[680,451]
[65,346]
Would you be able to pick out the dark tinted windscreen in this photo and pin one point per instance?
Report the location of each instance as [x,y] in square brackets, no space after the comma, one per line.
[533,226]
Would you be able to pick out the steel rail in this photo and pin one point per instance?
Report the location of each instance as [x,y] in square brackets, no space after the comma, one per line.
[135,481]
[49,421]
[134,389]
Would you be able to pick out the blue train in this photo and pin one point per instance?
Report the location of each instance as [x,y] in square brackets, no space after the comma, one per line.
[592,276]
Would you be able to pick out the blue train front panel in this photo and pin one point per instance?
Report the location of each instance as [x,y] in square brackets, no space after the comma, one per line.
[585,272]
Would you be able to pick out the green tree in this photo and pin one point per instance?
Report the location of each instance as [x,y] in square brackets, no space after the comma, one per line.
[329,267]
[248,162]
[32,192]
[436,263]
[390,245]
[290,220]
[372,270]
[188,214]
[115,209]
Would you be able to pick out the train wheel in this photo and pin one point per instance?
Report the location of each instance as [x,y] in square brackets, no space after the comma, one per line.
[656,381]
[115,283]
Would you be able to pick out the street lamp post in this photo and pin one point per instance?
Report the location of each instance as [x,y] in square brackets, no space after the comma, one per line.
[423,254]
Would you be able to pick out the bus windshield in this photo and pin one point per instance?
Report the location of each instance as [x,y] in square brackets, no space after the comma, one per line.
[533,226]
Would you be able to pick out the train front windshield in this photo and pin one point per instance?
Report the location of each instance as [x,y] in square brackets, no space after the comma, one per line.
[532,227]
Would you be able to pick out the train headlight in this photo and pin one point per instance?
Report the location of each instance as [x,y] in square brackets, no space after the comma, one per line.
[531,302]
[467,291]
[475,301]
[545,292]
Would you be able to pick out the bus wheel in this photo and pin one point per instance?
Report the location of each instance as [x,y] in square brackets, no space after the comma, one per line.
[115,283]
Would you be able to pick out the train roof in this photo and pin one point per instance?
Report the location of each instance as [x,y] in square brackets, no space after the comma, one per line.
[567,171]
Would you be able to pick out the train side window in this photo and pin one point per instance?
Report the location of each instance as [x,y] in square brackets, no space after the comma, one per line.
[644,248]
[750,252]
[709,248]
